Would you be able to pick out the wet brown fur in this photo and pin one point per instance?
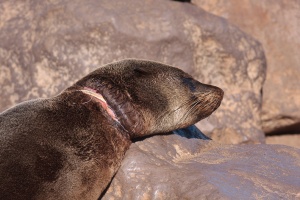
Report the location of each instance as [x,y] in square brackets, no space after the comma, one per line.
[68,147]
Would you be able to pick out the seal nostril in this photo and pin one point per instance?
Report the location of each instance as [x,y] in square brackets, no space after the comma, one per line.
[221,93]
[216,90]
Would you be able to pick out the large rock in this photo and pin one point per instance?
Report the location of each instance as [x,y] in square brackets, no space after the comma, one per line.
[46,46]
[292,140]
[276,25]
[173,167]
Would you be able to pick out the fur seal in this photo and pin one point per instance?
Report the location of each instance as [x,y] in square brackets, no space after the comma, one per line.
[70,146]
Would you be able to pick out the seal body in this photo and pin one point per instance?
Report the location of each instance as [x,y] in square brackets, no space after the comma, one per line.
[70,146]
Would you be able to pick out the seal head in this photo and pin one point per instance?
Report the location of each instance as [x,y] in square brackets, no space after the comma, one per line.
[148,97]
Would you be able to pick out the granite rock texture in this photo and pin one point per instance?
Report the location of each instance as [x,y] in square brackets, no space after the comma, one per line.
[276,24]
[173,167]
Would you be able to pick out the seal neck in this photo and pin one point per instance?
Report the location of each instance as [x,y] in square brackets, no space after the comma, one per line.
[95,102]
[101,100]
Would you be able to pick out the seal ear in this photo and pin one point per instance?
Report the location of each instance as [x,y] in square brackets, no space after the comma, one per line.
[141,71]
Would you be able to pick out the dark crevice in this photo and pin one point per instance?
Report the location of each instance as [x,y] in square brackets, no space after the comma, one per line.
[275,133]
[190,132]
[184,1]
[287,130]
[105,190]
[148,136]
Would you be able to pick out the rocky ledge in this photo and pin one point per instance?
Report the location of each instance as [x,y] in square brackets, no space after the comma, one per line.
[174,167]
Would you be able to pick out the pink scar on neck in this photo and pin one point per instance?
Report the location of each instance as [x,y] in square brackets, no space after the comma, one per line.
[101,100]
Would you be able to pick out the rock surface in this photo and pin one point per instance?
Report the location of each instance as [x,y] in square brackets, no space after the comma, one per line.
[276,24]
[292,140]
[46,46]
[173,167]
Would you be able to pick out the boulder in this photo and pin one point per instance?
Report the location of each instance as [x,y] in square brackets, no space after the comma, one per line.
[276,25]
[292,140]
[46,46]
[173,167]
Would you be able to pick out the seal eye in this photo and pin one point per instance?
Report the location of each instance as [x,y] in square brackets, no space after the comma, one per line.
[141,71]
[190,83]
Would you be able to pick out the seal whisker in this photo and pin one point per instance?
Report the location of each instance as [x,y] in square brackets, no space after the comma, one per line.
[197,105]
[169,112]
[192,106]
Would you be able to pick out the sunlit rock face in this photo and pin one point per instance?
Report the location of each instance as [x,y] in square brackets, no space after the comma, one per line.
[46,46]
[276,25]
[174,167]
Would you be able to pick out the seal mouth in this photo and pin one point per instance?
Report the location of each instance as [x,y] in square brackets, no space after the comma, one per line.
[117,105]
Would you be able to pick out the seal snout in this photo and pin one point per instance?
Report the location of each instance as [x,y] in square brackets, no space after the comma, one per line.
[209,98]
[211,91]
[218,92]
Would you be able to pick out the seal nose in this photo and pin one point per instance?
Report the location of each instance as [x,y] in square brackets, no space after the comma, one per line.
[205,88]
[218,91]
[214,93]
